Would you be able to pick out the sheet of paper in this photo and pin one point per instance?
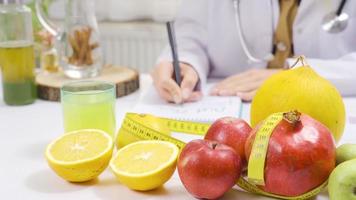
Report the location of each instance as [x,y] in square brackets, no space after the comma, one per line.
[208,109]
[350,126]
[350,104]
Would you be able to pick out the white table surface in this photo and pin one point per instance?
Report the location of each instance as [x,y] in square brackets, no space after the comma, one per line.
[26,130]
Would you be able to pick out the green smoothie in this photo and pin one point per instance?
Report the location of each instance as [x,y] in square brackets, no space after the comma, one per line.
[25,92]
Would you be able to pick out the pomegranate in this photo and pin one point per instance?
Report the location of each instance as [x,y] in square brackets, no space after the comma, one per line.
[300,155]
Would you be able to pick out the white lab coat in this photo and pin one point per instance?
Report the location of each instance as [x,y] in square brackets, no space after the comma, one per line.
[207,38]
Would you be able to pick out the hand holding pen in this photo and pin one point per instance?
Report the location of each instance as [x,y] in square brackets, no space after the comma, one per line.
[175,81]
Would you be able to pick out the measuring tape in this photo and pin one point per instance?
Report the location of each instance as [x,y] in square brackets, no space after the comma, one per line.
[249,187]
[256,162]
[137,126]
[133,126]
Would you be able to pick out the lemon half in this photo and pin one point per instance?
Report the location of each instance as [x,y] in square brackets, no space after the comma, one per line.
[81,155]
[145,165]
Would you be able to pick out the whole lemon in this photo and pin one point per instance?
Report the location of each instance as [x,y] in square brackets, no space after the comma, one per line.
[303,89]
[124,137]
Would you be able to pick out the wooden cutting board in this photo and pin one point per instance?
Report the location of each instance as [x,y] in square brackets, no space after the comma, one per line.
[126,80]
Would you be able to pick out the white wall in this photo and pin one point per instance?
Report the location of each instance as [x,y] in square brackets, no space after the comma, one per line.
[126,10]
[132,31]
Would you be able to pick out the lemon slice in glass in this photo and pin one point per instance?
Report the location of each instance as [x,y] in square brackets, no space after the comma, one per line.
[81,155]
[145,165]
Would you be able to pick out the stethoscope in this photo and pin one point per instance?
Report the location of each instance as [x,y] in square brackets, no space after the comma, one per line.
[334,22]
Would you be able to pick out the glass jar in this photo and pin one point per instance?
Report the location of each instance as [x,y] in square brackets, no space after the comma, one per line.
[17,60]
[77,42]
[49,56]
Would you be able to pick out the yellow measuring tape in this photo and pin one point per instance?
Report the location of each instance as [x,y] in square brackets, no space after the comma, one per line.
[249,187]
[137,126]
[256,162]
[134,126]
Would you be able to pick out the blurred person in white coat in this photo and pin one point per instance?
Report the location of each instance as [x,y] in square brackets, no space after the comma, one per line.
[211,33]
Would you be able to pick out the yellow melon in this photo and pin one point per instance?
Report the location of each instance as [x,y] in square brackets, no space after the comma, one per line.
[300,88]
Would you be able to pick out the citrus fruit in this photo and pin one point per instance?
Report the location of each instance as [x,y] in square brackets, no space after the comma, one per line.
[81,155]
[302,89]
[145,165]
[124,137]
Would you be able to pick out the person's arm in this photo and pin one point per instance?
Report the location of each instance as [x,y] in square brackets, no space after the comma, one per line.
[341,72]
[191,31]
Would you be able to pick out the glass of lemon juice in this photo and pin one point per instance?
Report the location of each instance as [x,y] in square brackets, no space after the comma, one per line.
[89,104]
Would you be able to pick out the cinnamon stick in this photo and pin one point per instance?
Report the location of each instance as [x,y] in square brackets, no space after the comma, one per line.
[82,49]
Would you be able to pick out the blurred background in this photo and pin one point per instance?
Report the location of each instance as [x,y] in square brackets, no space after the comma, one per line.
[132,32]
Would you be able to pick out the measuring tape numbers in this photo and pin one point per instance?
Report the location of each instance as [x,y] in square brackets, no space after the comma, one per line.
[256,162]
[132,126]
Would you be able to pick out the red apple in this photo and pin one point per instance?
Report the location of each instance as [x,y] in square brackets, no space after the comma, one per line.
[232,132]
[300,155]
[208,169]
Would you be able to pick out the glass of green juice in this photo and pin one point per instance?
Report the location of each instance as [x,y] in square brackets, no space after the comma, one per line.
[89,105]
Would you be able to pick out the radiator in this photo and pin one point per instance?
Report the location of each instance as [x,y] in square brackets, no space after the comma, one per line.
[132,44]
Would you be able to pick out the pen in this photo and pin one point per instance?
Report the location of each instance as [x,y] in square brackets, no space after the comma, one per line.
[173,45]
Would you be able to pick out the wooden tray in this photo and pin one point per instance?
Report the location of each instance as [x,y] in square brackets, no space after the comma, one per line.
[126,80]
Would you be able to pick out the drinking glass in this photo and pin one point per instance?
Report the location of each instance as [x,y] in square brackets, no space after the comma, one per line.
[89,105]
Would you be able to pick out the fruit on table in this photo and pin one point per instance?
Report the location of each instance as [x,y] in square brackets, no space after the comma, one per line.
[208,169]
[230,131]
[345,152]
[81,155]
[303,89]
[124,138]
[342,181]
[145,165]
[300,155]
